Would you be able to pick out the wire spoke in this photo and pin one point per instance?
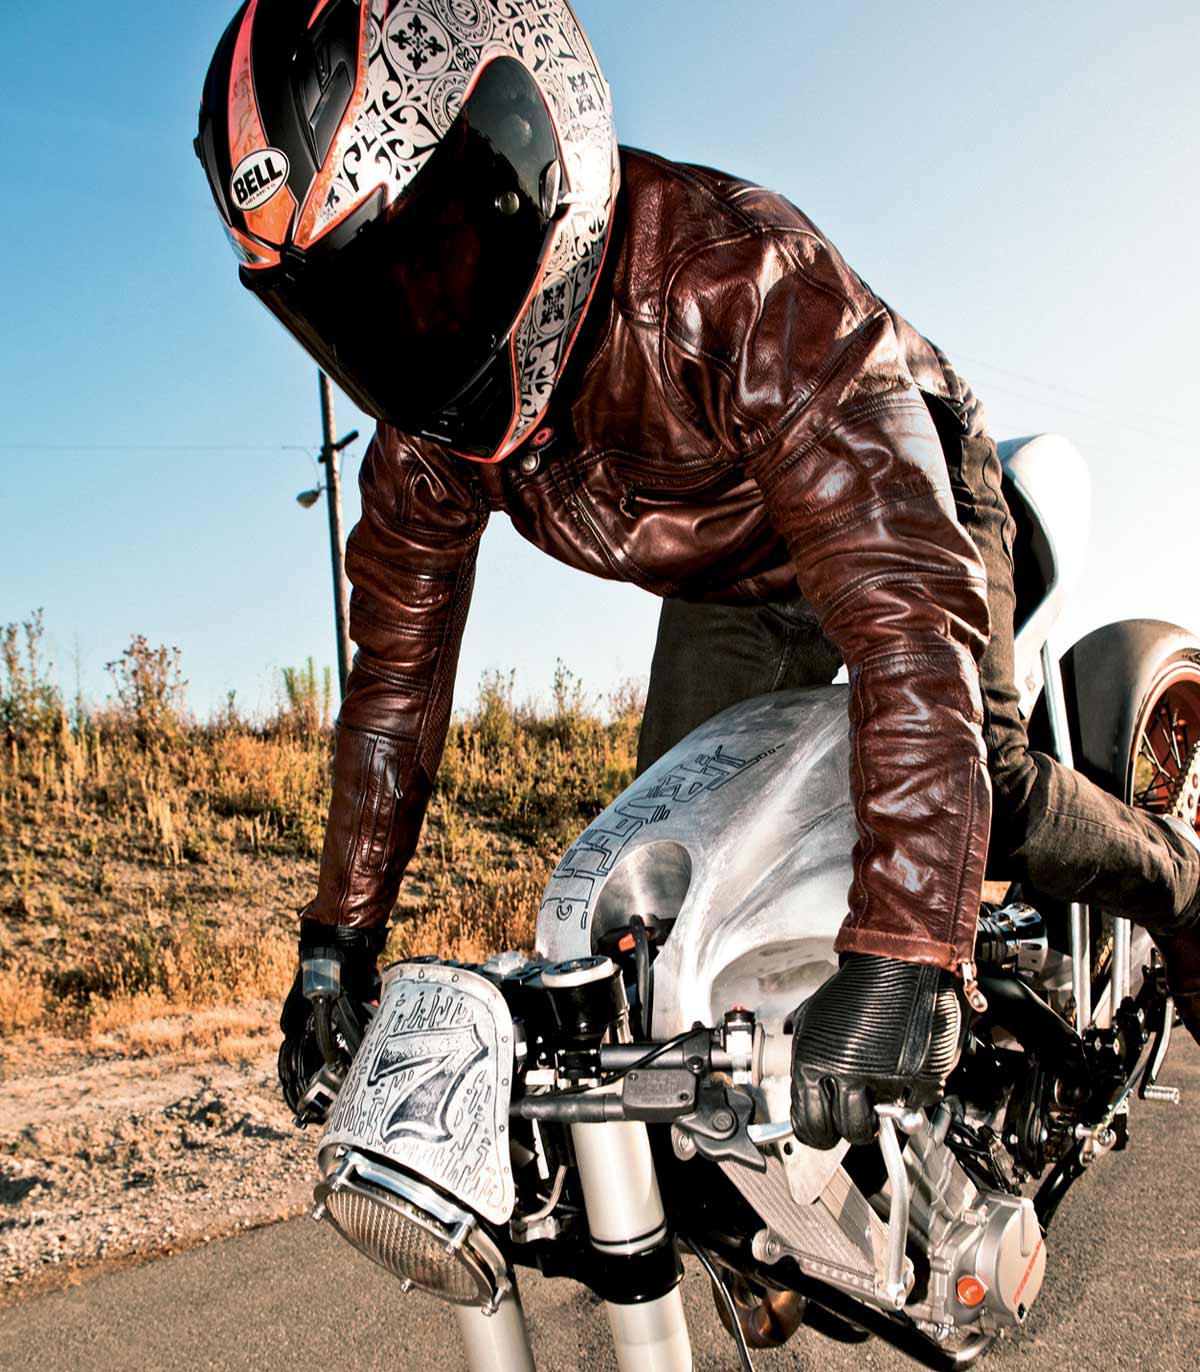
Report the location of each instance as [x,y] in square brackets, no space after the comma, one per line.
[1167,724]
[1160,772]
[1172,726]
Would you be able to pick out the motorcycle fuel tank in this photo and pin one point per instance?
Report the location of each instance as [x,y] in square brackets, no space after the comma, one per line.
[740,838]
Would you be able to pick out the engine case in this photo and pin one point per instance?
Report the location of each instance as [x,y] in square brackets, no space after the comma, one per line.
[982,1244]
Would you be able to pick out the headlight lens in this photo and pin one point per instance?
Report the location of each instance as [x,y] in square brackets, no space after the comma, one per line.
[413,1232]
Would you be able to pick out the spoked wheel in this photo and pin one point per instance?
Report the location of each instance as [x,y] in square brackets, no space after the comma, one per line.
[1165,773]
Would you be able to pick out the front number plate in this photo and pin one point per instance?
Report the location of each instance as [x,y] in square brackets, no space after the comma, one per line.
[429,1088]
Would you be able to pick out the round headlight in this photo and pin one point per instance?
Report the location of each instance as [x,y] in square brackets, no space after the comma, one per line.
[414,1232]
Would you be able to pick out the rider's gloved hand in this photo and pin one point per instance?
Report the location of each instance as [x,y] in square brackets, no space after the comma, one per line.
[878,1031]
[325,1013]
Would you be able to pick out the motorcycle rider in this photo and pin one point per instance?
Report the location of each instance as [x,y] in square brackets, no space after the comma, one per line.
[666,375]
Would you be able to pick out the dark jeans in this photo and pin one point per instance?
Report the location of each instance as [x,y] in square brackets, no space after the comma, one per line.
[1052,829]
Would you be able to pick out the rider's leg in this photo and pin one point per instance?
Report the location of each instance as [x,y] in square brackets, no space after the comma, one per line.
[1051,826]
[708,657]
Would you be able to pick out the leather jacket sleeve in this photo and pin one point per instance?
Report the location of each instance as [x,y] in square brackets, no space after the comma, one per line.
[411,562]
[853,477]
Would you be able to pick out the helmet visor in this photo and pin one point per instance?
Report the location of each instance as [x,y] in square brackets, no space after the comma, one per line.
[409,309]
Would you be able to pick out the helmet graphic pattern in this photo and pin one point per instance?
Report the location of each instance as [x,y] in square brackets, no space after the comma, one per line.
[419,61]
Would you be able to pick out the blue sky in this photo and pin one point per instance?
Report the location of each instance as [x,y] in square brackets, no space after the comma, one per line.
[1018,179]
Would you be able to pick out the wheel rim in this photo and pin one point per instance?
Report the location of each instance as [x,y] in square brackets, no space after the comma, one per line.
[1167,733]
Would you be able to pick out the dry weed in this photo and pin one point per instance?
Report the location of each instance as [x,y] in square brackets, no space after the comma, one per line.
[140,850]
[22,1001]
[149,1026]
[468,921]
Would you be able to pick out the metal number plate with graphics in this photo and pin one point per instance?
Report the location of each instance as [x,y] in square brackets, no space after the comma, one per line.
[429,1088]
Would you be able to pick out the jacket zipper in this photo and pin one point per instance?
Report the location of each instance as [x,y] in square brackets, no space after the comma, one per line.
[975,997]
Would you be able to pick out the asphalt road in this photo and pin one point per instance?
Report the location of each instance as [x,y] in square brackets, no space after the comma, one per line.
[1122,1291]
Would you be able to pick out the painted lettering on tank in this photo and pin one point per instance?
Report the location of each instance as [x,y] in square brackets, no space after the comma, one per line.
[588,863]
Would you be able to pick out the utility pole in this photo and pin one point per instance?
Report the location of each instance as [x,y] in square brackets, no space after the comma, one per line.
[337,543]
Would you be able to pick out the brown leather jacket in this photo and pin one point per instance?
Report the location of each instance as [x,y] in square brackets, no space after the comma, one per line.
[746,414]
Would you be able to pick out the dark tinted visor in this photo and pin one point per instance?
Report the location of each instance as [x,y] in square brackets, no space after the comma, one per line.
[408,311]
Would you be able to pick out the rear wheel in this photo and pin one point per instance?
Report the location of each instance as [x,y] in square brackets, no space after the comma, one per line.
[1133,692]
[1162,776]
[1165,758]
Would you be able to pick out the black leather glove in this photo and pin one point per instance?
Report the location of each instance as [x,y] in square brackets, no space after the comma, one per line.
[325,1014]
[878,1031]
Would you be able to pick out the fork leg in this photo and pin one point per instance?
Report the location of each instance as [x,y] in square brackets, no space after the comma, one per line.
[499,1342]
[625,1217]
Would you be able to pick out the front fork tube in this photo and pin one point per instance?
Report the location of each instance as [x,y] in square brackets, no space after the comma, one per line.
[625,1217]
[499,1342]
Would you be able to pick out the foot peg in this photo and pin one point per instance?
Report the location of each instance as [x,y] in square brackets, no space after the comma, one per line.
[1168,1095]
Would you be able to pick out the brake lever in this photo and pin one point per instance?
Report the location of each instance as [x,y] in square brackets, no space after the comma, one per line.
[764,1135]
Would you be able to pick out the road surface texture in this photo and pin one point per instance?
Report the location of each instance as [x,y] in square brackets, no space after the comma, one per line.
[1122,1291]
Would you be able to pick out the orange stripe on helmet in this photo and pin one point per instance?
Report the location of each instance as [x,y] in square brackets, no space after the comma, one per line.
[316,14]
[307,231]
[246,135]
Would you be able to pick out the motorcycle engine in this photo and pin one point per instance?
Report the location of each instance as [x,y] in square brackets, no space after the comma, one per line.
[987,1256]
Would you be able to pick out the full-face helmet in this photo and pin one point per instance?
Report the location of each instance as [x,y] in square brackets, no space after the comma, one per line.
[422,192]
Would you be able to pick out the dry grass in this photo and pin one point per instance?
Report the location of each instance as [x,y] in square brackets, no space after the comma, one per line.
[151,868]
[469,920]
[147,1026]
[22,1001]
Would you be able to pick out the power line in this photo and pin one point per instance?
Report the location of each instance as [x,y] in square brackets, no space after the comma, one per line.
[1174,439]
[1105,414]
[157,447]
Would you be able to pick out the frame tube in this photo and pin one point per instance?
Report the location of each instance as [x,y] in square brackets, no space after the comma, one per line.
[1081,934]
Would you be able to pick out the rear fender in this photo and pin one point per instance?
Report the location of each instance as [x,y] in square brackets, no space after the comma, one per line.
[1110,678]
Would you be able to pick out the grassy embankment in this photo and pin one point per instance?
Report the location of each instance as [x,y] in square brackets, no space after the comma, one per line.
[151,865]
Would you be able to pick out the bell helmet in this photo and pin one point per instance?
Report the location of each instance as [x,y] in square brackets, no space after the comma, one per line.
[422,192]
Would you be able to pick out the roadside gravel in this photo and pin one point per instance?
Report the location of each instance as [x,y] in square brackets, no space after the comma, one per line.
[104,1161]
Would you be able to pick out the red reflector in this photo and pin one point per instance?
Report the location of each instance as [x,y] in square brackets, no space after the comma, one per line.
[626,943]
[971,1291]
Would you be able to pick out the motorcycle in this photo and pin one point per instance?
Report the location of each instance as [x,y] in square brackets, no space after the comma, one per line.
[624,1094]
